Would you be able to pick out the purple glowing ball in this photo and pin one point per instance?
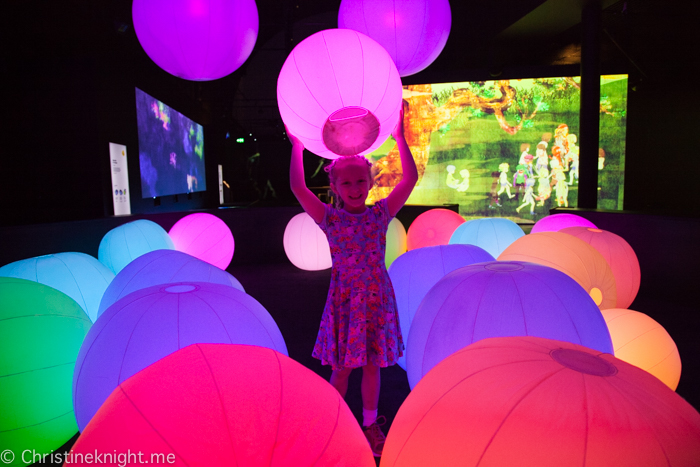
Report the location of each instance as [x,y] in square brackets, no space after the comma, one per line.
[194,39]
[414,32]
[501,299]
[556,222]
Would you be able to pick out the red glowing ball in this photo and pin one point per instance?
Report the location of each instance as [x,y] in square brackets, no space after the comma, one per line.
[432,228]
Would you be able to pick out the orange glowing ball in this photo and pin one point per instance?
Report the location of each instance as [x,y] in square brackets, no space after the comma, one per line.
[573,257]
[433,227]
[642,342]
[619,255]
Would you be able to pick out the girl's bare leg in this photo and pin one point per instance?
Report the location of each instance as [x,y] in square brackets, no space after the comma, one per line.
[370,387]
[339,380]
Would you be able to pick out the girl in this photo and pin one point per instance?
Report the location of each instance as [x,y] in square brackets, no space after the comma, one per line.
[360,323]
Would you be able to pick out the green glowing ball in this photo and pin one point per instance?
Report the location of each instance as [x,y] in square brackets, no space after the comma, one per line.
[41,330]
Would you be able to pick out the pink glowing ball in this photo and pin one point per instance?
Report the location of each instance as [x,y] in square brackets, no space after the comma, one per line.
[339,92]
[194,39]
[205,237]
[619,255]
[306,245]
[639,340]
[219,404]
[433,227]
[414,32]
[536,402]
[556,222]
[573,257]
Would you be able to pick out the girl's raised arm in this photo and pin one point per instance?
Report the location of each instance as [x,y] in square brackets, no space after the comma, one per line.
[313,206]
[398,196]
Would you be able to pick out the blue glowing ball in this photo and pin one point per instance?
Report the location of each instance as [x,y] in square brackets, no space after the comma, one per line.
[493,234]
[125,243]
[80,276]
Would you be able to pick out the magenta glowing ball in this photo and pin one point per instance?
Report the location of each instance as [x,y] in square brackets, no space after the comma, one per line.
[195,39]
[501,299]
[536,402]
[493,234]
[414,32]
[204,236]
[306,245]
[619,255]
[149,324]
[556,222]
[339,92]
[218,404]
[433,227]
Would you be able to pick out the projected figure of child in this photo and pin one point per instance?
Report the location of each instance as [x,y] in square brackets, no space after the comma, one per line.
[503,180]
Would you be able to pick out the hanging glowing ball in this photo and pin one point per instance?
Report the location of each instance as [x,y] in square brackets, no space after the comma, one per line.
[194,39]
[82,277]
[306,245]
[413,274]
[639,340]
[339,93]
[493,234]
[433,227]
[573,257]
[127,242]
[500,299]
[556,222]
[395,241]
[149,324]
[414,32]
[619,255]
[41,330]
[204,236]
[215,405]
[533,402]
[163,267]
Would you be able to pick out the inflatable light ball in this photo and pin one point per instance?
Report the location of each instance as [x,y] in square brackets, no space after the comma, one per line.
[163,267]
[573,257]
[493,234]
[640,341]
[395,241]
[536,402]
[217,404]
[41,330]
[339,93]
[556,222]
[619,255]
[125,243]
[204,236]
[414,273]
[306,245]
[149,324]
[82,277]
[501,299]
[196,40]
[433,227]
[414,32]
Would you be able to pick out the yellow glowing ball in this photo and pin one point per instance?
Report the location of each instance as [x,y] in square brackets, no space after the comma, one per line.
[640,341]
[395,241]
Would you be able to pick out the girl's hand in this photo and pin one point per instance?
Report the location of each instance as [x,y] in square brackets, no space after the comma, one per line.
[293,139]
[398,131]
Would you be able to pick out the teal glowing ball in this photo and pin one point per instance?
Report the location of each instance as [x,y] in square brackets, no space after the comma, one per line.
[493,234]
[125,243]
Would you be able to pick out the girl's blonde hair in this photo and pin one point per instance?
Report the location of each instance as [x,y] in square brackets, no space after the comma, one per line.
[332,170]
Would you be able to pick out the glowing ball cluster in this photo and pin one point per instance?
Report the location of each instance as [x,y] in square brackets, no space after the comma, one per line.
[531,402]
[639,340]
[501,299]
[339,92]
[149,324]
[433,227]
[125,243]
[620,257]
[493,234]
[82,277]
[215,404]
[556,222]
[414,32]
[163,267]
[395,241]
[41,330]
[204,236]
[306,245]
[573,257]
[196,40]
[414,273]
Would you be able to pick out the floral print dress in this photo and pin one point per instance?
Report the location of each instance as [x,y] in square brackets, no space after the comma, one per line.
[360,322]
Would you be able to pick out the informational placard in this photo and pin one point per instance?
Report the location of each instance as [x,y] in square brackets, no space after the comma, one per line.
[221,184]
[120,179]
